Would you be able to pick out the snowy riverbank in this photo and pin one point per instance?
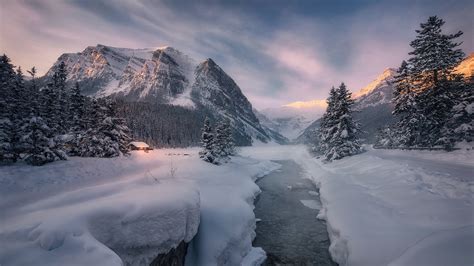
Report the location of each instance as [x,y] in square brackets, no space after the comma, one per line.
[89,211]
[382,210]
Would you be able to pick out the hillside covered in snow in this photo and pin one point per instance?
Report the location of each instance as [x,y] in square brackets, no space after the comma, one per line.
[164,204]
[164,82]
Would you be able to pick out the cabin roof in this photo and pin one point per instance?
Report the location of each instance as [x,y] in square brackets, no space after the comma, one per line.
[139,144]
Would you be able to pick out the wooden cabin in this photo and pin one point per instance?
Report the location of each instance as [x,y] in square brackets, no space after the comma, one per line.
[139,146]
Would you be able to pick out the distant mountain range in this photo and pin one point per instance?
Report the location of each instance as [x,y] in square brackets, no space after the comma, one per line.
[165,82]
[373,102]
[166,95]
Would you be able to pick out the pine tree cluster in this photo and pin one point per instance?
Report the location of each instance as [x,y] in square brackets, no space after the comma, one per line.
[338,132]
[42,125]
[434,106]
[217,145]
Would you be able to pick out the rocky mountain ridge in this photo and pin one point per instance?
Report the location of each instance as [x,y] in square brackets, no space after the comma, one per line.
[164,76]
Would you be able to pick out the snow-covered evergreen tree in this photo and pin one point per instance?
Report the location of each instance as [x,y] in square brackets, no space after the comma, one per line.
[407,130]
[61,99]
[460,125]
[7,113]
[385,138]
[208,152]
[224,143]
[229,146]
[103,133]
[115,128]
[40,147]
[434,57]
[434,54]
[328,122]
[76,109]
[339,133]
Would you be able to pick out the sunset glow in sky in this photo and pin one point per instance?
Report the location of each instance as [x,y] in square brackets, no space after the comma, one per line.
[277,51]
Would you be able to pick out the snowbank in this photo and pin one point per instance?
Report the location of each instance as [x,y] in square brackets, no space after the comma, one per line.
[393,207]
[130,219]
[227,220]
[89,211]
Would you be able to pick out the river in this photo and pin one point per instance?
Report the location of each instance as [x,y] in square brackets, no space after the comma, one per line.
[288,229]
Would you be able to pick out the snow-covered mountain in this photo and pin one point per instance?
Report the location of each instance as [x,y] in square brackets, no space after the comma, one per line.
[466,67]
[288,121]
[167,76]
[379,91]
[293,119]
[160,74]
[373,102]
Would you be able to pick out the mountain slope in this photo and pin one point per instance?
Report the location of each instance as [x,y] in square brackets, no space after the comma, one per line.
[163,81]
[379,91]
[373,102]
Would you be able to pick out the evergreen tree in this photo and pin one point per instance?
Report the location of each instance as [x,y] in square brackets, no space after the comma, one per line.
[434,54]
[434,57]
[328,122]
[61,98]
[339,133]
[76,109]
[407,129]
[229,147]
[224,144]
[7,132]
[40,148]
[103,133]
[460,125]
[220,142]
[115,128]
[208,143]
[385,138]
[33,95]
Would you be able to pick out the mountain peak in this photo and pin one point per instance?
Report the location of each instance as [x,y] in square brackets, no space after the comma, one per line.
[386,75]
[210,63]
[466,67]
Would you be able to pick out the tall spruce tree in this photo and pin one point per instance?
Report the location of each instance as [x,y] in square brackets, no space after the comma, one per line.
[339,136]
[229,146]
[434,57]
[37,141]
[7,113]
[76,109]
[407,131]
[40,148]
[208,152]
[61,98]
[328,123]
[224,143]
[460,125]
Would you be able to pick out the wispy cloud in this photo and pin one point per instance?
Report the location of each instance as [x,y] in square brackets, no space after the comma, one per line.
[277,53]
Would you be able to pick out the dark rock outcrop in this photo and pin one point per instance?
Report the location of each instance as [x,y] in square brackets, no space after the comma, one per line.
[175,257]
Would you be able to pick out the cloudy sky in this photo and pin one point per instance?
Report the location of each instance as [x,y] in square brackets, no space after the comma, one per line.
[277,51]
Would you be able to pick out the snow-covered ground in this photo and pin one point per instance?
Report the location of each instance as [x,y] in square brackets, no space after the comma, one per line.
[390,207]
[383,207]
[89,211]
